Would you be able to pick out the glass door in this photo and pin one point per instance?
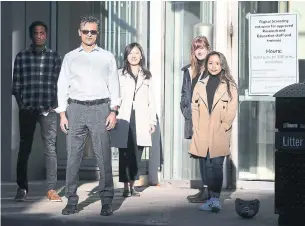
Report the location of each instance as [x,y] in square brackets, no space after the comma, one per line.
[180,19]
[256,113]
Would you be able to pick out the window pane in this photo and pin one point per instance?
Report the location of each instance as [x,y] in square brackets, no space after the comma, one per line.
[256,140]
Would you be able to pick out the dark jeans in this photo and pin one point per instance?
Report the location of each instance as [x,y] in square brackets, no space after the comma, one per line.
[214,174]
[203,171]
[85,120]
[130,157]
[27,125]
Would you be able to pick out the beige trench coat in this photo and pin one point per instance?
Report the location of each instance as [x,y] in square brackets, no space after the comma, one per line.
[145,113]
[212,131]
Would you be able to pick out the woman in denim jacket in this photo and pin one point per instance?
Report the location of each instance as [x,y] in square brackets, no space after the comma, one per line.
[192,72]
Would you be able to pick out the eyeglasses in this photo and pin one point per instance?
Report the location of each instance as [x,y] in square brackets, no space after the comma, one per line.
[92,32]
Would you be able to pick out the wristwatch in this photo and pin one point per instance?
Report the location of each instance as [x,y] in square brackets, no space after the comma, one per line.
[115,111]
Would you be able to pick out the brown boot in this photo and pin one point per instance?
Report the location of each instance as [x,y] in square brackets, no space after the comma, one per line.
[196,195]
[201,198]
[53,196]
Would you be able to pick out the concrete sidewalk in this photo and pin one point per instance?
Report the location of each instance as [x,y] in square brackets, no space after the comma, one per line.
[164,205]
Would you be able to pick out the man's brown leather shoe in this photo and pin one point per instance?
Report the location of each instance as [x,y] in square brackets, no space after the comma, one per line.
[53,196]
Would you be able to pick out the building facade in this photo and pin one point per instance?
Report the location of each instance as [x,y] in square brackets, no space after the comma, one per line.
[165,30]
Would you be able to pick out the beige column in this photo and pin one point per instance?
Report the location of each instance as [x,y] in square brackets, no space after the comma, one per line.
[226,41]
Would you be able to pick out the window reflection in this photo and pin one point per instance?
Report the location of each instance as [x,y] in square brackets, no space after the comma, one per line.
[121,22]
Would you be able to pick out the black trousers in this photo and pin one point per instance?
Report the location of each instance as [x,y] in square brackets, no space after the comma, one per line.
[130,157]
[214,174]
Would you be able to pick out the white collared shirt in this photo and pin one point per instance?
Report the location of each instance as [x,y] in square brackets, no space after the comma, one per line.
[88,76]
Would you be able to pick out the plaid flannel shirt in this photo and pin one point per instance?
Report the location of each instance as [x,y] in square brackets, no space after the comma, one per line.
[35,78]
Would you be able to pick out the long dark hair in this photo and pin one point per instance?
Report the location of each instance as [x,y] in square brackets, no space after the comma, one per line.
[126,65]
[225,74]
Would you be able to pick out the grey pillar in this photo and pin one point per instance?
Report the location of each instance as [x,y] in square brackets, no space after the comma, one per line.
[6,81]
[205,30]
[205,27]
[206,12]
[18,43]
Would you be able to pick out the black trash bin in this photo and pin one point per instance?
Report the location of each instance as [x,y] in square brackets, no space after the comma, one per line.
[290,155]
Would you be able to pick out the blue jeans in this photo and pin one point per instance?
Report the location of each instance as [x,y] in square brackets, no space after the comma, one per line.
[214,174]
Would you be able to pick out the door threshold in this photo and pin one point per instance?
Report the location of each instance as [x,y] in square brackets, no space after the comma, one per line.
[255,185]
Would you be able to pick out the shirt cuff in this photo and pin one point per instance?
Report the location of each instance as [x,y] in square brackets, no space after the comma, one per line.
[60,109]
[153,122]
[115,103]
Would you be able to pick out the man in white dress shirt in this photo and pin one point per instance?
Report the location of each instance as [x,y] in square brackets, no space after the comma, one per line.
[88,100]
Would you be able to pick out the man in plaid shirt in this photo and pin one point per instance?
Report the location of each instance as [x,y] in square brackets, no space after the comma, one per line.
[36,71]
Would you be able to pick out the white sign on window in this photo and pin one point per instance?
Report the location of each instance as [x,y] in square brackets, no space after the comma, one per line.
[273,48]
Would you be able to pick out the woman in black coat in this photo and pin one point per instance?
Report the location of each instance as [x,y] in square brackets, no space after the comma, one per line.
[192,72]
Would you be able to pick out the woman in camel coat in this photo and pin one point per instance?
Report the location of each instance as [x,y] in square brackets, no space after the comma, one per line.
[214,106]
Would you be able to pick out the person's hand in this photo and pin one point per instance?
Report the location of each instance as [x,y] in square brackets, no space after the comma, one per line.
[152,129]
[20,105]
[64,122]
[111,121]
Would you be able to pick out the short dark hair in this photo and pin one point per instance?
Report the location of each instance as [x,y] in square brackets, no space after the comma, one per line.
[35,24]
[89,19]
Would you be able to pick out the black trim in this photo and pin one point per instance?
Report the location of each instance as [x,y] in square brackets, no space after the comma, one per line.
[186,67]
